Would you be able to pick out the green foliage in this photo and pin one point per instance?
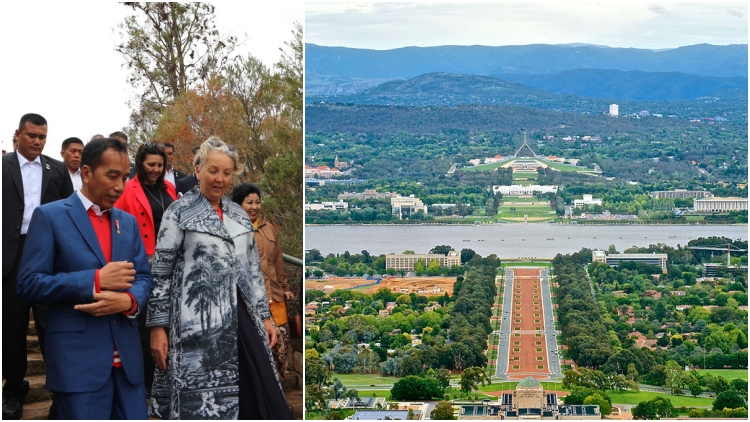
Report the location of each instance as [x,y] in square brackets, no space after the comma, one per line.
[415,388]
[442,411]
[729,399]
[656,408]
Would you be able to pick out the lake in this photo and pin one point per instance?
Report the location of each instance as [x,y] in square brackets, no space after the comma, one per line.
[506,240]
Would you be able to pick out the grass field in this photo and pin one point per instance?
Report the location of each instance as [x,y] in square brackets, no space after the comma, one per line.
[360,380]
[567,167]
[320,416]
[536,212]
[518,199]
[727,374]
[691,218]
[506,264]
[635,397]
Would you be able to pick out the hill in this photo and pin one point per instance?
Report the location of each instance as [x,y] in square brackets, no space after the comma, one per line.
[446,89]
[340,70]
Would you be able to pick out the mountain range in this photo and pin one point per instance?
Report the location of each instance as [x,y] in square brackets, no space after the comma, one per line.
[592,71]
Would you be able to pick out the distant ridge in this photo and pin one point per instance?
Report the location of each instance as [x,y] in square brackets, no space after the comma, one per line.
[341,70]
[580,91]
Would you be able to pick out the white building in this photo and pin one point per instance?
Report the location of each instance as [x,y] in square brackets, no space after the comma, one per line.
[331,206]
[719,204]
[587,200]
[404,206]
[406,261]
[614,110]
[519,190]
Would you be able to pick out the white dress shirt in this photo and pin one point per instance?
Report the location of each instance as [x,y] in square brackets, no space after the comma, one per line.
[169,175]
[76,179]
[31,173]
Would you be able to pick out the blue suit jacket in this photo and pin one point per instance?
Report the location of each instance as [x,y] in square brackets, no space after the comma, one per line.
[61,256]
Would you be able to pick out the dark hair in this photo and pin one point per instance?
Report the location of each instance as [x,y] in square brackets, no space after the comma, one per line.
[195,150]
[150,148]
[93,151]
[66,143]
[242,190]
[33,118]
[119,135]
[169,144]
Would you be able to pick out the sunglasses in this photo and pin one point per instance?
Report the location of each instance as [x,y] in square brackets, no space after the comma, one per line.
[218,144]
[154,145]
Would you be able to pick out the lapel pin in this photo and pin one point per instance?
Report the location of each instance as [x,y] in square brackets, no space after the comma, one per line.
[46,166]
[117,225]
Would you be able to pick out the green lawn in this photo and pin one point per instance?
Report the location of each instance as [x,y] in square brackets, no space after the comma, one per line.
[355,380]
[567,167]
[507,264]
[536,212]
[485,167]
[690,218]
[320,416]
[635,397]
[727,374]
[517,199]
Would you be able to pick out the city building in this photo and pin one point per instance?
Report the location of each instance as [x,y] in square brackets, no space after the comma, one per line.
[680,193]
[614,110]
[379,415]
[719,204]
[587,200]
[325,205]
[519,190]
[614,260]
[405,206]
[323,172]
[528,401]
[367,194]
[406,261]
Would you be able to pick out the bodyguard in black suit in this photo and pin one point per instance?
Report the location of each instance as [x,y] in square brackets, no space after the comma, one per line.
[27,183]
[185,183]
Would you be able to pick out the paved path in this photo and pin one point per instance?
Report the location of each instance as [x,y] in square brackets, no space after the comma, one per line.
[552,364]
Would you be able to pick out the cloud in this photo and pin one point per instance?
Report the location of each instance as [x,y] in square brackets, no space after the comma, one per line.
[658,9]
[734,12]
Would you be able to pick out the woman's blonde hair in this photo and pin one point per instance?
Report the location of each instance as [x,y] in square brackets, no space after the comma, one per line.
[215,144]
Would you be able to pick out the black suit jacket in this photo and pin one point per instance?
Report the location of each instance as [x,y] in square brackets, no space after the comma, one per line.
[178,175]
[185,183]
[56,184]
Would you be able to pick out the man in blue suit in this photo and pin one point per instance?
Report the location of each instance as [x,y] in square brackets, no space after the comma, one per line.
[86,260]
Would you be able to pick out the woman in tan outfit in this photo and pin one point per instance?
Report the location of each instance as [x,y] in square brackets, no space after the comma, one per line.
[272,265]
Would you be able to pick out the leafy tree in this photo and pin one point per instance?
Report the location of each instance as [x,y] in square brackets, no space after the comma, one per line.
[466,255]
[443,378]
[596,399]
[729,399]
[471,378]
[442,411]
[656,408]
[316,372]
[695,389]
[337,389]
[441,249]
[169,47]
[314,398]
[411,365]
[415,388]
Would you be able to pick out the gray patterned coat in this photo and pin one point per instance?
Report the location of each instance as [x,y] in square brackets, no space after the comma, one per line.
[200,264]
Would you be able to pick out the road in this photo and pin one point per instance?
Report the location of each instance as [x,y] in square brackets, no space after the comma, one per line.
[549,326]
[504,345]
[553,356]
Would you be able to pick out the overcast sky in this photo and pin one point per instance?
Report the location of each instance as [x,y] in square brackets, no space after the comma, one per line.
[657,25]
[60,62]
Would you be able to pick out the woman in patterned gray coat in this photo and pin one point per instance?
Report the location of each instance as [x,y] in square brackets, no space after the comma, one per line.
[208,287]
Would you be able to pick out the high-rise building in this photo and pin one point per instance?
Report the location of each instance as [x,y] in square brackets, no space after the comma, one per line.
[614,110]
